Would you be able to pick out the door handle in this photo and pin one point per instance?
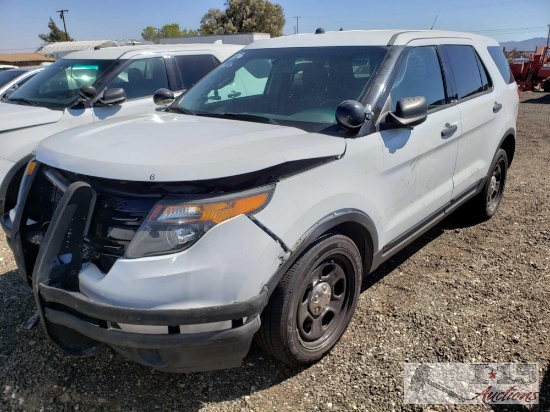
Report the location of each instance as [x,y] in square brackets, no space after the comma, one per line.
[497,107]
[448,131]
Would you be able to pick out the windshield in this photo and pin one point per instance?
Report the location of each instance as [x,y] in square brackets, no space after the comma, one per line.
[57,85]
[299,87]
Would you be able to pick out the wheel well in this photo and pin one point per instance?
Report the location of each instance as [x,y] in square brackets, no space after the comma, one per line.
[361,237]
[13,189]
[509,146]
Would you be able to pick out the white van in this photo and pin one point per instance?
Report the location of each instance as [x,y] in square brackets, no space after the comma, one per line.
[242,210]
[123,79]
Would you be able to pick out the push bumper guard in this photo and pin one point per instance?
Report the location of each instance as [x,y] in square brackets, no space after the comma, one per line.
[78,324]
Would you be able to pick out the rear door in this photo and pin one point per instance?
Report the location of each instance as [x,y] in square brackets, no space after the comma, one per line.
[481,113]
[419,162]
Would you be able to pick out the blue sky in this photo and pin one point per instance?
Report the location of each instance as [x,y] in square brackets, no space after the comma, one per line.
[22,20]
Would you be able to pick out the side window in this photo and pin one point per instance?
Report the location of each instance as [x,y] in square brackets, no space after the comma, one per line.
[486,82]
[466,70]
[420,75]
[193,68]
[141,78]
[501,62]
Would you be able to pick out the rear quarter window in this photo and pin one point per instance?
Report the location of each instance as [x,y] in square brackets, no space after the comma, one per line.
[501,62]
[467,72]
[193,67]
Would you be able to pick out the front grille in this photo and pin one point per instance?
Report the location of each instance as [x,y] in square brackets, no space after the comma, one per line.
[120,209]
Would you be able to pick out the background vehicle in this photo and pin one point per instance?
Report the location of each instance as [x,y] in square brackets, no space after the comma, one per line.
[270,188]
[533,73]
[15,78]
[117,81]
[7,67]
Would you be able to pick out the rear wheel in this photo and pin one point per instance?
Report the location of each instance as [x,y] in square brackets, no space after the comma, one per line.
[313,303]
[486,203]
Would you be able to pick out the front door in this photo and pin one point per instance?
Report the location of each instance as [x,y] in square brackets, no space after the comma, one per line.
[140,80]
[418,164]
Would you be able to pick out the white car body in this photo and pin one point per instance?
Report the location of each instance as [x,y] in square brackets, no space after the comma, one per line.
[23,126]
[392,184]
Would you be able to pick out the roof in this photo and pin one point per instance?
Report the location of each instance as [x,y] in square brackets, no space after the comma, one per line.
[65,46]
[364,38]
[129,52]
[24,57]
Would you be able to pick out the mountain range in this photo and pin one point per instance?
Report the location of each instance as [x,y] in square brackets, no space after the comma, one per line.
[524,45]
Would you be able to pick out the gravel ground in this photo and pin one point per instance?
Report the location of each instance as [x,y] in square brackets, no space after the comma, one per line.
[458,294]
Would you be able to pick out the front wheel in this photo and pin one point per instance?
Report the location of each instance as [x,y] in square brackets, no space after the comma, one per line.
[313,303]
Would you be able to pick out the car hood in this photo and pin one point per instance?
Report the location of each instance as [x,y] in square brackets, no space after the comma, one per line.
[170,147]
[18,116]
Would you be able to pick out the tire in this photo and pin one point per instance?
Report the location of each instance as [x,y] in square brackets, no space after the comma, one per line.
[546,85]
[313,303]
[486,203]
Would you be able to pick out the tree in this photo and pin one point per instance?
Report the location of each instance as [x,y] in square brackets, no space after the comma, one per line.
[55,35]
[149,33]
[168,30]
[245,16]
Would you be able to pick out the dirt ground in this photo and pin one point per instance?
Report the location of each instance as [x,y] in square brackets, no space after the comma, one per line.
[458,294]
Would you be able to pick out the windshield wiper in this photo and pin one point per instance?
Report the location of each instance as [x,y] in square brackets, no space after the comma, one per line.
[24,101]
[241,116]
[179,110]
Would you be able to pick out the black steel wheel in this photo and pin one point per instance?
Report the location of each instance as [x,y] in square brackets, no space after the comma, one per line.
[313,303]
[486,203]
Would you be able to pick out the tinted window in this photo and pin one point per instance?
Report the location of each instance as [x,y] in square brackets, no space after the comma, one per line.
[142,78]
[501,62]
[420,75]
[193,68]
[57,85]
[9,75]
[486,82]
[463,61]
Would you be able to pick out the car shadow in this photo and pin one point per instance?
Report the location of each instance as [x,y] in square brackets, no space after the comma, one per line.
[544,99]
[457,220]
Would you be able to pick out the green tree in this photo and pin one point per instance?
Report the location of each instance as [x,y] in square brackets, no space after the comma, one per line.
[55,34]
[149,33]
[245,16]
[168,30]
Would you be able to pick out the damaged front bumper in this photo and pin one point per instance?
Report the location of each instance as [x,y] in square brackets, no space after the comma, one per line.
[78,323]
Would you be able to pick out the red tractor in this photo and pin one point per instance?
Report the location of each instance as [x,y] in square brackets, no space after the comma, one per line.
[533,73]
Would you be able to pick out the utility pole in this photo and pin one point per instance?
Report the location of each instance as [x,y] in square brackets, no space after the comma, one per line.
[62,15]
[297,21]
[548,38]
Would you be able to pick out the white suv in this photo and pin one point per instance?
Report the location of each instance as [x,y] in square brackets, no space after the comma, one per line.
[257,201]
[123,79]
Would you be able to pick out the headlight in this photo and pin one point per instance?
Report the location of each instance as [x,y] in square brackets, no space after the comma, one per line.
[174,225]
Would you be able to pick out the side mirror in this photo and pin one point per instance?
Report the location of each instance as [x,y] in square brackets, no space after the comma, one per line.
[351,114]
[87,92]
[163,97]
[409,112]
[113,96]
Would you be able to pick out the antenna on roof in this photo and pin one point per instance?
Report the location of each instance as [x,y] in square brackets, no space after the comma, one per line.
[433,24]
